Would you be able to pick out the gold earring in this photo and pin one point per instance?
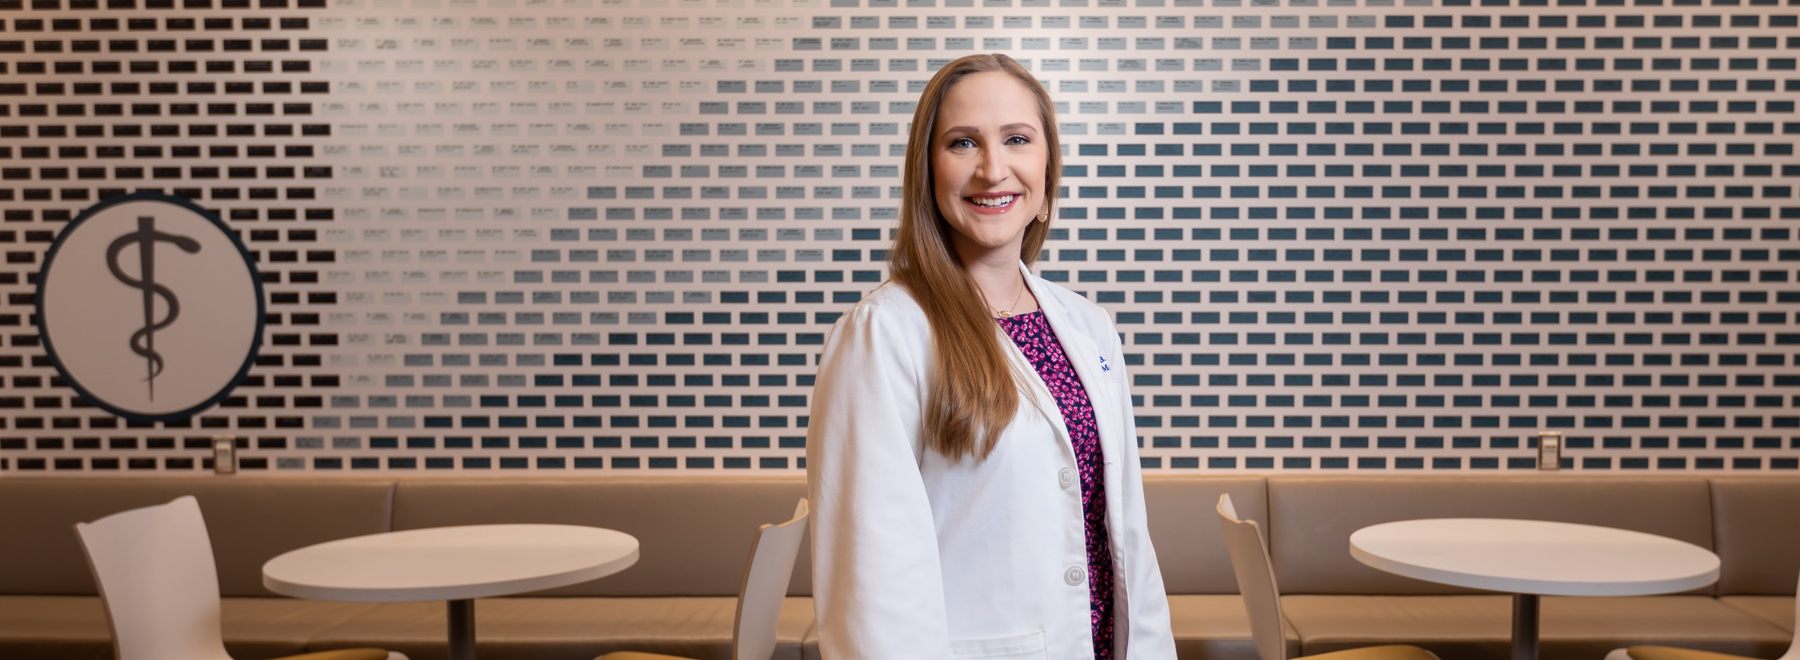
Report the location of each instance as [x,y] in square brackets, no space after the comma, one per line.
[1043,217]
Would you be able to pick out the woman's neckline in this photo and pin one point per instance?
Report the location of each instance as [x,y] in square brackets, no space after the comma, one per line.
[1019,316]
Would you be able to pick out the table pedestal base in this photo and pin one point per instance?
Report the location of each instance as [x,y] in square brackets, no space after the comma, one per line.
[1525,627]
[462,630]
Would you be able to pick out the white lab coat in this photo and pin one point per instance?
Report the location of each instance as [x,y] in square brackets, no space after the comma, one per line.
[916,556]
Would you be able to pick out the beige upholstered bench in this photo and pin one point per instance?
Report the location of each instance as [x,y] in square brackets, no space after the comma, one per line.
[695,532]
[1336,603]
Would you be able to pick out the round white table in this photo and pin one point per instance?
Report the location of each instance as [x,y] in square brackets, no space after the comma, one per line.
[1531,558]
[455,564]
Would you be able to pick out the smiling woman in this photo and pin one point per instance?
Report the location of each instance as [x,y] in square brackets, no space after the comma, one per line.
[971,453]
[988,171]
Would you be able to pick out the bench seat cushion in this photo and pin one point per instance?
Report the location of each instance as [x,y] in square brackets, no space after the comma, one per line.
[1778,610]
[54,628]
[275,627]
[74,627]
[568,628]
[1215,627]
[1206,627]
[1479,627]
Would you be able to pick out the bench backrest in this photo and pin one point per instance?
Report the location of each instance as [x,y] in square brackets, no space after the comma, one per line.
[1311,518]
[250,520]
[693,532]
[1757,529]
[1184,528]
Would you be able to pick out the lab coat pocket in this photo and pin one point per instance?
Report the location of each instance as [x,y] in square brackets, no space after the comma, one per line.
[1028,645]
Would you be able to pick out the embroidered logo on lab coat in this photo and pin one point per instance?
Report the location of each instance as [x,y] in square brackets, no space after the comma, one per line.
[1104,365]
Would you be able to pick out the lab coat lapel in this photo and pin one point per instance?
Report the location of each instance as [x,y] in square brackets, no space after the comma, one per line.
[1083,354]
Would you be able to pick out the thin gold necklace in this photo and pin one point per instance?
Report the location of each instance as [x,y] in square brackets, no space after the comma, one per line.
[1007,313]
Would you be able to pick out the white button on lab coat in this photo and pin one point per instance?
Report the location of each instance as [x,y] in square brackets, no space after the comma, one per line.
[918,556]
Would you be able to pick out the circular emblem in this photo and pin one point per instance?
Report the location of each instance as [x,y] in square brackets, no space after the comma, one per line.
[150,306]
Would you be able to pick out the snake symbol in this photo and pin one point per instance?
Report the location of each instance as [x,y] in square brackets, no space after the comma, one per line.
[143,342]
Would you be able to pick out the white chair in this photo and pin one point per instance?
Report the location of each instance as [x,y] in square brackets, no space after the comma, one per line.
[1674,653]
[154,568]
[1256,581]
[771,564]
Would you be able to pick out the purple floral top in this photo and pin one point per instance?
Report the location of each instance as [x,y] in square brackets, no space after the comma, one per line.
[1032,333]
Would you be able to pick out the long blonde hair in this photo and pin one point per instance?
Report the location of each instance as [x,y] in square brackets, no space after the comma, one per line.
[972,389]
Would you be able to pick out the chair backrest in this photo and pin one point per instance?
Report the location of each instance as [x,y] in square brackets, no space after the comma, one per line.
[1256,581]
[766,577]
[154,569]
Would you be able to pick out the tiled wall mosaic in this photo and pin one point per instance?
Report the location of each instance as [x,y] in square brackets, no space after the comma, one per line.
[568,235]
